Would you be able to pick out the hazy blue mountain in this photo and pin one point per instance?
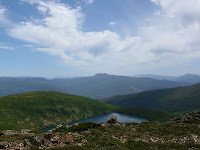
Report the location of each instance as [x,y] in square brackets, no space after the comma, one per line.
[157,77]
[104,85]
[98,87]
[169,100]
[189,78]
[9,85]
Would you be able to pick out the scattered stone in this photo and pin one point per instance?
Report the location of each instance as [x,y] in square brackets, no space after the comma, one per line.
[123,132]
[10,132]
[3,145]
[192,116]
[133,129]
[67,126]
[26,131]
[59,126]
[76,124]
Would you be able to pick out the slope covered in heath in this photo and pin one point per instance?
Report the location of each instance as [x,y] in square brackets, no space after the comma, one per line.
[169,100]
[39,109]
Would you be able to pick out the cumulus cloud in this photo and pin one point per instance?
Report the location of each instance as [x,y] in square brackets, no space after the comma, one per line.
[174,35]
[179,26]
[59,33]
[180,8]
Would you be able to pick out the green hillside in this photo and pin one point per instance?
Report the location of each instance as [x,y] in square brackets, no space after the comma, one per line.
[149,114]
[169,100]
[39,109]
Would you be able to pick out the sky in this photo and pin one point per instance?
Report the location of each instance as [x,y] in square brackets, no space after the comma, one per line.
[64,38]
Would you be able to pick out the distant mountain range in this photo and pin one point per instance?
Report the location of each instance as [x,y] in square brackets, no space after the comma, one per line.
[10,85]
[156,77]
[188,78]
[169,100]
[99,86]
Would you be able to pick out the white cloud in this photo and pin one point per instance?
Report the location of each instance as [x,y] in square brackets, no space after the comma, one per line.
[29,45]
[59,33]
[180,8]
[174,35]
[2,12]
[3,19]
[112,23]
[179,26]
[90,1]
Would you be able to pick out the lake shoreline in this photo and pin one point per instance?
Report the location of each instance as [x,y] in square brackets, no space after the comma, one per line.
[122,117]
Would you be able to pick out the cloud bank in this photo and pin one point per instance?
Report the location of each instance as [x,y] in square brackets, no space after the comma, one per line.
[174,35]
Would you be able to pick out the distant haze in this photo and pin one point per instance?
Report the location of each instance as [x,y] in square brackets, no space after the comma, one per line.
[98,86]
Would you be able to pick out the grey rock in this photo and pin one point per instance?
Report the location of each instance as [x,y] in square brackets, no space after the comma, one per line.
[112,120]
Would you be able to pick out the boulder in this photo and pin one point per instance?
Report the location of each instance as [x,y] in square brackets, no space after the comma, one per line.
[3,145]
[35,141]
[113,120]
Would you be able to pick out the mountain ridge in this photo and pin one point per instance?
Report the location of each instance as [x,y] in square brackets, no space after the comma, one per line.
[187,78]
[98,86]
[169,100]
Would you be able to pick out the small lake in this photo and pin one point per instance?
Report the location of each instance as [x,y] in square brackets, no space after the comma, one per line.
[103,118]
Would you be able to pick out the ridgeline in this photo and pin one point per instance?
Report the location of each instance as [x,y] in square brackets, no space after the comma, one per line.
[182,99]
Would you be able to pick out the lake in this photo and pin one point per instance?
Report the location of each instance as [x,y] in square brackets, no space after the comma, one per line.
[103,118]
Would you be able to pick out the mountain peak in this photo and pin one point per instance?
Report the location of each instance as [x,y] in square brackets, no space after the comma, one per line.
[101,74]
[190,75]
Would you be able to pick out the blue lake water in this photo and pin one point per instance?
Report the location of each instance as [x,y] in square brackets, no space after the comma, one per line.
[103,118]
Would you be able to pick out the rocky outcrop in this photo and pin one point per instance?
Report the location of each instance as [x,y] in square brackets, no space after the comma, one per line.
[112,120]
[192,116]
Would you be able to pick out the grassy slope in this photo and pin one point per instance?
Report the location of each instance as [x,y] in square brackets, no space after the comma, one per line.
[149,114]
[169,100]
[39,109]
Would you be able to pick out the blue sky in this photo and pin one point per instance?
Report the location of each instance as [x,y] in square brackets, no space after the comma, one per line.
[61,38]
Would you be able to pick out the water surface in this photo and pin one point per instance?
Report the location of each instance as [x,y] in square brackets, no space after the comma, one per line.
[103,118]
